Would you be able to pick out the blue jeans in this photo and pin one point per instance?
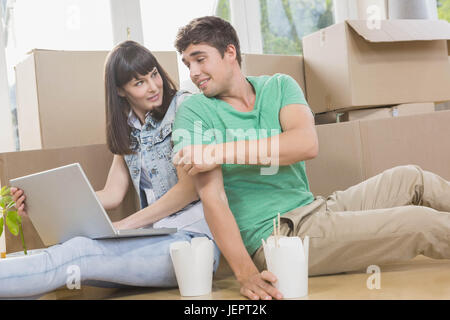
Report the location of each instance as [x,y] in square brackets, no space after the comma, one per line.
[142,261]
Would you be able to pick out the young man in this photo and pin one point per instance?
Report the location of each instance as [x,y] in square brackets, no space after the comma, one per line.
[225,137]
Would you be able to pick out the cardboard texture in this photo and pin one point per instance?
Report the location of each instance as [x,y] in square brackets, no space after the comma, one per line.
[328,117]
[349,66]
[421,140]
[351,152]
[61,97]
[374,113]
[388,112]
[269,64]
[339,163]
[95,161]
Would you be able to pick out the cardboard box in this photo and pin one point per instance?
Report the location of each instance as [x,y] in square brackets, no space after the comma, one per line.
[95,161]
[348,65]
[388,112]
[328,117]
[443,106]
[61,97]
[339,163]
[374,113]
[269,64]
[351,152]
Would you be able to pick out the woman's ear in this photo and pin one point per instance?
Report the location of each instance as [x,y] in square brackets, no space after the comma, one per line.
[121,92]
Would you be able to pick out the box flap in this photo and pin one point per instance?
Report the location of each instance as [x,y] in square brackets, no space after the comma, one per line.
[402,30]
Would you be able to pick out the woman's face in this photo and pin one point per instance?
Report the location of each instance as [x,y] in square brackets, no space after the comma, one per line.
[145,93]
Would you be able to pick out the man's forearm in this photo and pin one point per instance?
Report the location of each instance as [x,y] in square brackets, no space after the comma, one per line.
[228,238]
[283,149]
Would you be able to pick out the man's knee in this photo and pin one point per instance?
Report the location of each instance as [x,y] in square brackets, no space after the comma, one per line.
[408,172]
[420,219]
[409,169]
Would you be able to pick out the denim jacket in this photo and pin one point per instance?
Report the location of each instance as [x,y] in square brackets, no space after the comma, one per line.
[152,144]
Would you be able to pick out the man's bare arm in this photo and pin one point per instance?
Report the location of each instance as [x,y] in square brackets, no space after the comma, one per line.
[297,142]
[226,233]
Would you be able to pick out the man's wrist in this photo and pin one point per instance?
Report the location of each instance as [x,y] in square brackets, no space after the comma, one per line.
[246,272]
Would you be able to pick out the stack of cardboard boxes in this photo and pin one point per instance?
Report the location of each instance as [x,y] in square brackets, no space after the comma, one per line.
[373,92]
[351,66]
[355,71]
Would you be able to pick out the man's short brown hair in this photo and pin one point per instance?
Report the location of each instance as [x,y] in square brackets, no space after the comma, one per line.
[211,30]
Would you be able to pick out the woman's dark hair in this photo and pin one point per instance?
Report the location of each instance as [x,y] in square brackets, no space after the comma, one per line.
[129,60]
[212,30]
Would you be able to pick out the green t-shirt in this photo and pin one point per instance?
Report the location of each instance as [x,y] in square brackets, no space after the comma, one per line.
[254,198]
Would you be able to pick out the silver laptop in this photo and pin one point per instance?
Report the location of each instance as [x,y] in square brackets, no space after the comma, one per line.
[62,204]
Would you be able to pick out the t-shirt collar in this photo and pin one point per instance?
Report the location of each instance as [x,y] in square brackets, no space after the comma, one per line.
[134,122]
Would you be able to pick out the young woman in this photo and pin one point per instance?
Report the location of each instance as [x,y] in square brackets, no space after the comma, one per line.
[141,102]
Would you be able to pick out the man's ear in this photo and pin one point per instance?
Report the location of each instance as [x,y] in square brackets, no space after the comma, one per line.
[230,52]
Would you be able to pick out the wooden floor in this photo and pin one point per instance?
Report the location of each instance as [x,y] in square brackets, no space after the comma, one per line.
[420,278]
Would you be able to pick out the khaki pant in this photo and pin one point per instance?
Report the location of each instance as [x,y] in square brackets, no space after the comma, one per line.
[391,217]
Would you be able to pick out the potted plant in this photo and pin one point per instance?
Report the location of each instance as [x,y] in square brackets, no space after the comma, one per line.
[9,215]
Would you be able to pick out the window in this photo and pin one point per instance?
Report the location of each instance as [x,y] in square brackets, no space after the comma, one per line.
[162,19]
[53,24]
[444,9]
[223,10]
[285,22]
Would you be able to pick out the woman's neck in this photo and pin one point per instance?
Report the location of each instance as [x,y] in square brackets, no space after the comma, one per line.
[140,115]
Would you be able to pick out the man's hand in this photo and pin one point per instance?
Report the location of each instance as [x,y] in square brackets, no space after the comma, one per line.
[196,158]
[223,226]
[18,197]
[256,286]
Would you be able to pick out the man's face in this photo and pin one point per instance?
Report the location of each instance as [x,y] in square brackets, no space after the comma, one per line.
[208,70]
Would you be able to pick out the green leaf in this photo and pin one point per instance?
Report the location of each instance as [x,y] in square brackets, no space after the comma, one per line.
[5,191]
[10,205]
[12,221]
[6,200]
[1,226]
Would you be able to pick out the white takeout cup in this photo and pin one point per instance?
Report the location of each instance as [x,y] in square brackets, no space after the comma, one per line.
[193,264]
[289,263]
